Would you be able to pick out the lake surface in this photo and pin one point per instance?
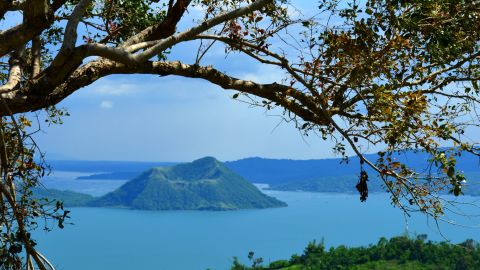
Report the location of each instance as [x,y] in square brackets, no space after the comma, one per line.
[129,239]
[68,181]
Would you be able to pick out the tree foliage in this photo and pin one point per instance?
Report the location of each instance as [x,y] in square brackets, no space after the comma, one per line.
[20,211]
[391,74]
[396,253]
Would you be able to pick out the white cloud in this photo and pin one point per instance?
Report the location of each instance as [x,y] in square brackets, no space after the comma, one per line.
[106,104]
[265,74]
[115,89]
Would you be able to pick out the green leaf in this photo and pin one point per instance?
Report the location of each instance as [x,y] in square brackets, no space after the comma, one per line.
[475,85]
[451,172]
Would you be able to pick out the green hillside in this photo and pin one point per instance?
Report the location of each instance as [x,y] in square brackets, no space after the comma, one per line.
[69,198]
[205,184]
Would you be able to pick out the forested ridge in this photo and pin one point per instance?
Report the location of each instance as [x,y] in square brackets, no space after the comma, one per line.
[400,252]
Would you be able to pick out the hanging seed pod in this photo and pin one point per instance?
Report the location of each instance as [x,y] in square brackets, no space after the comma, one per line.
[362,185]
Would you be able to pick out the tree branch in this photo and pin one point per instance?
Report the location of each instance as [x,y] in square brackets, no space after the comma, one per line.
[281,94]
[36,57]
[164,29]
[70,36]
[175,39]
[32,26]
[120,54]
[14,75]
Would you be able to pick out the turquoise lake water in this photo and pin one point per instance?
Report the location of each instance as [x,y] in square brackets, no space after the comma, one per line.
[129,239]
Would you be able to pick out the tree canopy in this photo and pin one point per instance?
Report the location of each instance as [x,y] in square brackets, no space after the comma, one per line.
[392,74]
[399,253]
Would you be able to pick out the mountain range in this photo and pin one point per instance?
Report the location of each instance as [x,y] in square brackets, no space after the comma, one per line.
[317,175]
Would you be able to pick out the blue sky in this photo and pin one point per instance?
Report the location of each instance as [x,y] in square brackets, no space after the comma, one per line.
[141,117]
[149,118]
